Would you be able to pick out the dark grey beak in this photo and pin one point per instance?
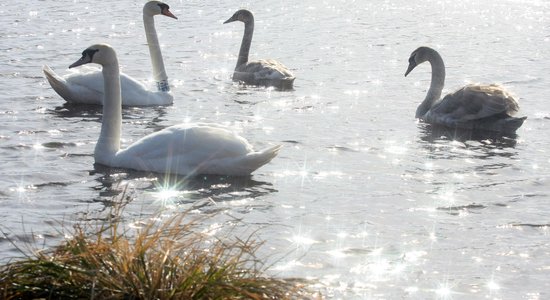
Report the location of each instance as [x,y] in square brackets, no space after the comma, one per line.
[87,56]
[412,65]
[232,19]
[85,59]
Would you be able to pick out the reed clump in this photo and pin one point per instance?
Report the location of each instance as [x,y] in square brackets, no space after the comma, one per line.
[160,259]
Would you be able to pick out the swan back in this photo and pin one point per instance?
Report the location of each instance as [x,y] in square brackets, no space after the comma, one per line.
[476,102]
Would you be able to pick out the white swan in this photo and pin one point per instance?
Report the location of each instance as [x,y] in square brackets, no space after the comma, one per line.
[180,149]
[261,72]
[87,87]
[473,107]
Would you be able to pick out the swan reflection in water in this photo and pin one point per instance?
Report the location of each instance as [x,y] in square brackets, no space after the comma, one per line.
[153,117]
[443,143]
[168,189]
[71,110]
[458,164]
[434,133]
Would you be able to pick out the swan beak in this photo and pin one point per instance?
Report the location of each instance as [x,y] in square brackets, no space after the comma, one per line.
[168,13]
[232,19]
[412,65]
[82,61]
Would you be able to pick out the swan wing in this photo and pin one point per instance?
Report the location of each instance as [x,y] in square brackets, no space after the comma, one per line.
[475,102]
[84,87]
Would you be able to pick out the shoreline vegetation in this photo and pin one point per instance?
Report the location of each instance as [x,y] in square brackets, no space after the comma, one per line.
[160,258]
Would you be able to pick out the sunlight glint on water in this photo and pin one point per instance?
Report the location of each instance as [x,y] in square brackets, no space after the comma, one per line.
[362,198]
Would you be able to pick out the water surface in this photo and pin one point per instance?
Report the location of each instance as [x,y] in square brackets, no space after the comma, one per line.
[362,198]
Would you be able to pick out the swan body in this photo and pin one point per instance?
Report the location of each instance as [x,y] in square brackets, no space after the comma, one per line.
[261,72]
[473,107]
[196,148]
[86,87]
[185,149]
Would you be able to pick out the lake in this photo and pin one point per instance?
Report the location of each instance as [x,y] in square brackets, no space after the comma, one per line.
[362,198]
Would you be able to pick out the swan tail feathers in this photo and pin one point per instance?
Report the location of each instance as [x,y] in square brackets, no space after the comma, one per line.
[505,125]
[57,82]
[288,83]
[282,84]
[512,124]
[257,159]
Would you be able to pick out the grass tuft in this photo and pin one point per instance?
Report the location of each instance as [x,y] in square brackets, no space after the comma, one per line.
[168,259]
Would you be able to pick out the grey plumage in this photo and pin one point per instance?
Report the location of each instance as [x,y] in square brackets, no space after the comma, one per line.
[473,107]
[264,72]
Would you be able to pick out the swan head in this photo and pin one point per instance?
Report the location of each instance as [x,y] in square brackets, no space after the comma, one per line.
[153,8]
[102,54]
[417,57]
[242,15]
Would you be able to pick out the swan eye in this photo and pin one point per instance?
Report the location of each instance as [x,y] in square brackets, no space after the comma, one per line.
[163,6]
[90,53]
[165,10]
[412,59]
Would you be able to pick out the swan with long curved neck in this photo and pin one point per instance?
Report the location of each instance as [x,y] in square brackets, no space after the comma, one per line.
[87,87]
[181,149]
[473,107]
[265,72]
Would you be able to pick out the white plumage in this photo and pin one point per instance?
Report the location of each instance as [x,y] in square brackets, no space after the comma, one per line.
[182,149]
[86,86]
[194,148]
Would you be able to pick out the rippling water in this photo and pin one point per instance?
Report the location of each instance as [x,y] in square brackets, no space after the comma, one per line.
[362,197]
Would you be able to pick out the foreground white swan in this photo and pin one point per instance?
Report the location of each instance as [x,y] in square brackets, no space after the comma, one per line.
[261,72]
[87,87]
[474,107]
[180,149]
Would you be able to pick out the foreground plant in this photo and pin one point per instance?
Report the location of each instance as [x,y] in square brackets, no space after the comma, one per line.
[168,259]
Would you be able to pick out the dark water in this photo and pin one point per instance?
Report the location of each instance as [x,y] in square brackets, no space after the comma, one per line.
[362,198]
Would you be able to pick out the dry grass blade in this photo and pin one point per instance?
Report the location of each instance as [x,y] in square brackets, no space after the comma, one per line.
[168,259]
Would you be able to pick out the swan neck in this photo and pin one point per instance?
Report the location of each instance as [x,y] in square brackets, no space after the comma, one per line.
[436,85]
[246,42]
[159,72]
[109,139]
